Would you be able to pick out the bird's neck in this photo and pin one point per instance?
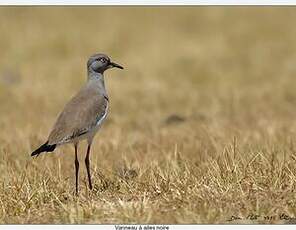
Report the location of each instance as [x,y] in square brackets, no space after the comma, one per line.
[97,79]
[92,75]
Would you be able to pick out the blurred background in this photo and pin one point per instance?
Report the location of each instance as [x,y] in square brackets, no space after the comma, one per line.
[199,62]
[194,78]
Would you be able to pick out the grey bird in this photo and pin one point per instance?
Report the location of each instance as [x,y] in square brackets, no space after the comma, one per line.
[83,115]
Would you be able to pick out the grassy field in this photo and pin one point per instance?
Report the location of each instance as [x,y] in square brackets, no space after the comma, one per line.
[201,126]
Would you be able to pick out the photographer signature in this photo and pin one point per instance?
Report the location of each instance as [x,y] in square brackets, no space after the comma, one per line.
[254,217]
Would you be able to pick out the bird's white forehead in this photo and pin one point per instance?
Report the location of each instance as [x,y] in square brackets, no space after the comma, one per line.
[97,56]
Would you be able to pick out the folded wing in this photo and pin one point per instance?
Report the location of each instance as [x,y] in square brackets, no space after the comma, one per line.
[80,115]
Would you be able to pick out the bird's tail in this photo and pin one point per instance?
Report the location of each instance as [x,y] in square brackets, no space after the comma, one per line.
[43,148]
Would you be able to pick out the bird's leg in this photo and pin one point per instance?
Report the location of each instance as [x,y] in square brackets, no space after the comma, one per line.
[87,166]
[76,168]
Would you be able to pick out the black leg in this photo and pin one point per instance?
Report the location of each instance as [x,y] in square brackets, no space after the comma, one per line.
[87,166]
[76,168]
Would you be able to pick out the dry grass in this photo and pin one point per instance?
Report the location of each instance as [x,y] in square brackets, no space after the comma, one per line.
[201,125]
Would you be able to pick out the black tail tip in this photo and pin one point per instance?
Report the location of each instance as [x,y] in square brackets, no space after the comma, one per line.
[43,148]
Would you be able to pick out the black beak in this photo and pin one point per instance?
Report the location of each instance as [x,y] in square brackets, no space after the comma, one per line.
[112,65]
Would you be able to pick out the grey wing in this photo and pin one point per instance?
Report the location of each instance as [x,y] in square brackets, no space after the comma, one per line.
[79,116]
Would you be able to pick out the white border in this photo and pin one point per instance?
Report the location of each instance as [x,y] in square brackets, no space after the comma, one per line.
[137,227]
[149,2]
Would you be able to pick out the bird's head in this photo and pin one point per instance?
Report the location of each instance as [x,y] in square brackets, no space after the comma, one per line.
[100,62]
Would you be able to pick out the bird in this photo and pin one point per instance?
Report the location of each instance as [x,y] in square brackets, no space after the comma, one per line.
[83,115]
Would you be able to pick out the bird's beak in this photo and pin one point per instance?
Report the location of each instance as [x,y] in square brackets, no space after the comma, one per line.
[112,65]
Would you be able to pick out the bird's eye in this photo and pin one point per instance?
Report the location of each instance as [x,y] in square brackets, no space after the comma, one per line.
[103,60]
